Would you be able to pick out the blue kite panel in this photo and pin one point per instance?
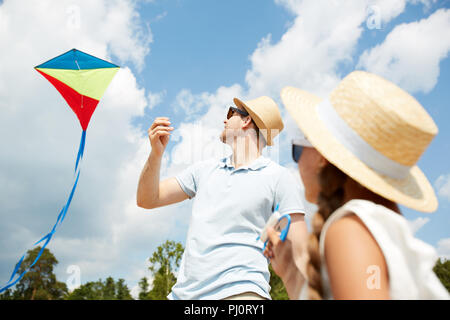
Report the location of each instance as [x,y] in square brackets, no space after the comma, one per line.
[76,60]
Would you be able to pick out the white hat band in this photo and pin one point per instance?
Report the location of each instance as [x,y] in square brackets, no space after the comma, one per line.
[357,145]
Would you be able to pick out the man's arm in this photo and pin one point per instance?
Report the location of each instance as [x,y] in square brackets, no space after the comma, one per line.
[151,193]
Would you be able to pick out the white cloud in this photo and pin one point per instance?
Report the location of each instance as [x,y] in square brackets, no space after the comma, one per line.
[411,53]
[128,40]
[417,223]
[198,138]
[443,248]
[155,98]
[189,103]
[310,51]
[388,9]
[442,185]
[139,271]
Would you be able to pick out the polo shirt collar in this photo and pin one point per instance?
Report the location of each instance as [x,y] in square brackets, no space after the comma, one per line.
[256,164]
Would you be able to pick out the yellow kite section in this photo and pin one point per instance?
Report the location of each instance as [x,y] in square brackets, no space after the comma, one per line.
[88,82]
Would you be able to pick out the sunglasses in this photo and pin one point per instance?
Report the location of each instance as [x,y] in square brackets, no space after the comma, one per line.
[232,110]
[297,147]
[296,152]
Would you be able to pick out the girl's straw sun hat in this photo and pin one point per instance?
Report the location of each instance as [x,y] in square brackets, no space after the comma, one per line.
[374,132]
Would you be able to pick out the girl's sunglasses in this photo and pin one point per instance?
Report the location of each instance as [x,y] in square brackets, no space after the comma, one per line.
[296,152]
[297,147]
[232,110]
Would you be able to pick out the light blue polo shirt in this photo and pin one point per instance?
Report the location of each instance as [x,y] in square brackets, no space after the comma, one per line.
[231,206]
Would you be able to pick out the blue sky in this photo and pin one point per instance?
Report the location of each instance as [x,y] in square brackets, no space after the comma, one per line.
[207,40]
[186,60]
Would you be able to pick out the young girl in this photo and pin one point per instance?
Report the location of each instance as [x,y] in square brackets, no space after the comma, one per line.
[357,163]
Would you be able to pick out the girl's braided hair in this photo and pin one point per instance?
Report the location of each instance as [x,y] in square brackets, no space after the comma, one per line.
[331,196]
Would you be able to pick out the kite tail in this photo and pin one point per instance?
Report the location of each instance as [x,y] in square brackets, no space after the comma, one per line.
[59,220]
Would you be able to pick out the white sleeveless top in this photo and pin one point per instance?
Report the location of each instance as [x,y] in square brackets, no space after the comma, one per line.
[409,260]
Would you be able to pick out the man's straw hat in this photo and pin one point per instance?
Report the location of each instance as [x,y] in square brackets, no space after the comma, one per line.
[374,132]
[264,111]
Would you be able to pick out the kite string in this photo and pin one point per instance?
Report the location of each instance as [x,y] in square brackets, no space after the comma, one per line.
[59,220]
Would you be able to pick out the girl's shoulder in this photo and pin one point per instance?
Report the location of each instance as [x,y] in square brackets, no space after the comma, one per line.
[409,260]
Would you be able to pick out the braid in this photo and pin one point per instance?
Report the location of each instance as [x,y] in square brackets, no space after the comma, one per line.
[331,182]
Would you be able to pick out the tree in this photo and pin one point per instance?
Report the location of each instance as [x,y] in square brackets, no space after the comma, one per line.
[7,295]
[109,289]
[165,261]
[88,291]
[442,270]
[39,283]
[277,289]
[122,292]
[162,284]
[99,290]
[143,286]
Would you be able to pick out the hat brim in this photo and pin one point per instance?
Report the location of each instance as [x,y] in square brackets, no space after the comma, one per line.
[259,123]
[414,191]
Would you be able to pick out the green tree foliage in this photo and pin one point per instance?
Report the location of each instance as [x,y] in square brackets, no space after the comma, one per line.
[39,283]
[442,270]
[109,289]
[7,295]
[143,286]
[162,284]
[277,289]
[88,291]
[165,261]
[122,292]
[102,290]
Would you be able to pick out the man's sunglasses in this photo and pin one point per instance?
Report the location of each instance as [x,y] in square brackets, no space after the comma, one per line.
[232,110]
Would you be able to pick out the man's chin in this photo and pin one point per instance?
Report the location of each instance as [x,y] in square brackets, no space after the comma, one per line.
[228,136]
[222,137]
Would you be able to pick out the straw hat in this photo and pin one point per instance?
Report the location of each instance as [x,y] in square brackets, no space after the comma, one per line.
[264,111]
[374,132]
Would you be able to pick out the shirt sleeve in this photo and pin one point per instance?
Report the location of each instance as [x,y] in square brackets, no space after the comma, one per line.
[288,194]
[188,180]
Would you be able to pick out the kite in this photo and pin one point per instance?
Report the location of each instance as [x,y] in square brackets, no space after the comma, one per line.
[81,79]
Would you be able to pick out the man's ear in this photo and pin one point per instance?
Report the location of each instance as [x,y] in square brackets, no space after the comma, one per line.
[247,122]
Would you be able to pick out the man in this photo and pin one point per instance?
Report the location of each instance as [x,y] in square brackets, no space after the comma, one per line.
[234,197]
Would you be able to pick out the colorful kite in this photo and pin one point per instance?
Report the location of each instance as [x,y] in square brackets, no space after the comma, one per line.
[82,80]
